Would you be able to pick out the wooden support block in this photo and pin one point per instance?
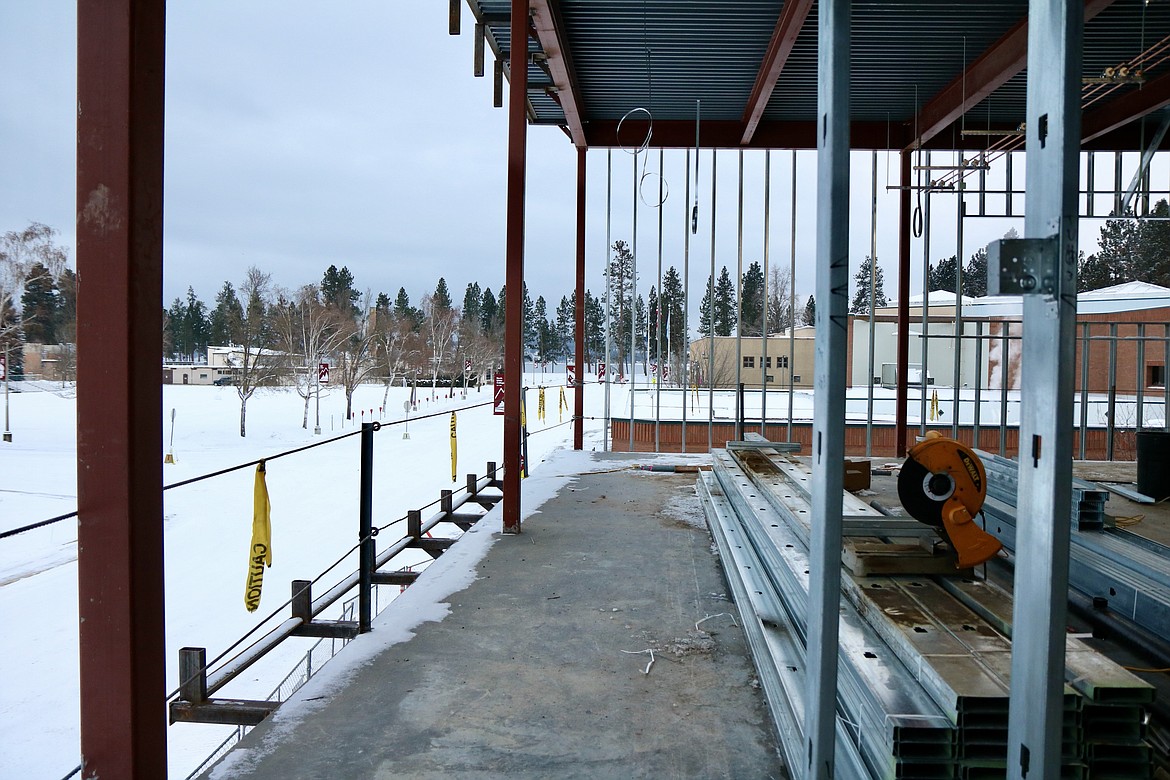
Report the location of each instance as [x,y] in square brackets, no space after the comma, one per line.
[865,557]
[414,523]
[433,547]
[328,629]
[445,501]
[193,674]
[464,519]
[395,577]
[302,600]
[233,712]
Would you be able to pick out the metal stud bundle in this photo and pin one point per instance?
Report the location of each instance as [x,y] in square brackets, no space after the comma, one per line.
[924,662]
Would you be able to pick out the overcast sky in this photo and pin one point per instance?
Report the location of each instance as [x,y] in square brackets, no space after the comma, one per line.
[302,134]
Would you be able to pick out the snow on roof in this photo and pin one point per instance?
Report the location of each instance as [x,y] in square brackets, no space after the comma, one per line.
[936,298]
[1127,296]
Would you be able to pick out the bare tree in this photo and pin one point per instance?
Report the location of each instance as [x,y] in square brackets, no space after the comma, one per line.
[440,323]
[779,303]
[25,256]
[356,339]
[258,365]
[305,333]
[395,344]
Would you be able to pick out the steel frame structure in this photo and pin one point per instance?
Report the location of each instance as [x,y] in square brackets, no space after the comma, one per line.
[119,253]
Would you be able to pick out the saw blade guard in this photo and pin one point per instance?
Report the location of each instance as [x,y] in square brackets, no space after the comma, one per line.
[943,484]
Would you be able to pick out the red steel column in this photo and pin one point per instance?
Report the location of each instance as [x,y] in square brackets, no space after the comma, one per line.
[579,352]
[901,396]
[120,47]
[514,274]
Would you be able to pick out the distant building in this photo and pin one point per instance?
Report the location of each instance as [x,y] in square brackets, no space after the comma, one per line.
[53,362]
[1127,325]
[789,359]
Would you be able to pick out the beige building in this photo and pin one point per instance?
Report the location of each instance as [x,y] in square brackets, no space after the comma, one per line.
[54,362]
[789,359]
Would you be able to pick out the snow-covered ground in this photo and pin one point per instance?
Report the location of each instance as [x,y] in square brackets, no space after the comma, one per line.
[314,497]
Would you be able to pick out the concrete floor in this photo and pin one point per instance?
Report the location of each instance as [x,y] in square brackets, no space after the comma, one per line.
[526,676]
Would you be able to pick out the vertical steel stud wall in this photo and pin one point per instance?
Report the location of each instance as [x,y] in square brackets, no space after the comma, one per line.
[828,444]
[579,313]
[514,274]
[120,60]
[1041,587]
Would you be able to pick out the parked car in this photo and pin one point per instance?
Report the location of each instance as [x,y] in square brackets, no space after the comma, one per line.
[223,381]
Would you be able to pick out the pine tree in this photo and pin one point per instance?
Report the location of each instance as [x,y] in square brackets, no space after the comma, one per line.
[1154,247]
[705,312]
[810,312]
[640,330]
[594,330]
[40,305]
[861,296]
[671,302]
[471,306]
[1094,273]
[176,317]
[724,308]
[537,326]
[752,301]
[529,326]
[487,311]
[652,335]
[405,312]
[620,278]
[942,274]
[337,290]
[501,311]
[227,317]
[566,321]
[196,328]
[975,275]
[1119,243]
[442,298]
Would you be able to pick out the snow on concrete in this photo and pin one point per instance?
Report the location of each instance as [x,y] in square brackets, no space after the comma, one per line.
[314,497]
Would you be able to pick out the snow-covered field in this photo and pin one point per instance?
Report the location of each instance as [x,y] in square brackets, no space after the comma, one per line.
[314,497]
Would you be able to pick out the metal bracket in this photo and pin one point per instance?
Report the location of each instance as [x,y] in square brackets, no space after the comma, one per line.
[1023,266]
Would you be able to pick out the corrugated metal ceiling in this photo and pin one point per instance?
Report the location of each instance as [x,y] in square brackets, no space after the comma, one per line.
[665,55]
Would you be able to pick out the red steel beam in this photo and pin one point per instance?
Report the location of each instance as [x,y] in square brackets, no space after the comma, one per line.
[120,56]
[546,20]
[1135,104]
[727,134]
[788,26]
[901,392]
[987,73]
[579,342]
[514,271]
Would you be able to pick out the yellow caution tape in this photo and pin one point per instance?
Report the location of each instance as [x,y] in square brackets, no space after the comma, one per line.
[540,405]
[260,553]
[454,449]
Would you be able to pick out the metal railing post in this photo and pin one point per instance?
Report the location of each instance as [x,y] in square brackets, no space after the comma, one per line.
[366,529]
